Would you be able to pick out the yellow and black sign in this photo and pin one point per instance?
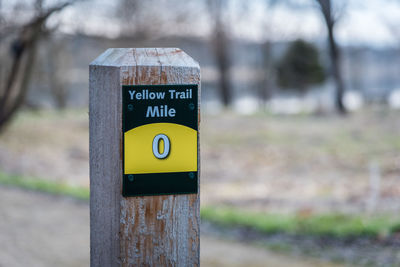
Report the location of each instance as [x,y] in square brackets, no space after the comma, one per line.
[160,127]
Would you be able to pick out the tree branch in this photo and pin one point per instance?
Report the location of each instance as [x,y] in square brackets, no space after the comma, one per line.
[23,53]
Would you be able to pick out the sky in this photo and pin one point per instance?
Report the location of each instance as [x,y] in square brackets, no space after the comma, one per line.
[362,22]
[371,24]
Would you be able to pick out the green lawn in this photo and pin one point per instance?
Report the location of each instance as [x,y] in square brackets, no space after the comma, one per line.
[44,186]
[329,225]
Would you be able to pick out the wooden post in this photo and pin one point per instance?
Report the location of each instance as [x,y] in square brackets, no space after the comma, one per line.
[161,230]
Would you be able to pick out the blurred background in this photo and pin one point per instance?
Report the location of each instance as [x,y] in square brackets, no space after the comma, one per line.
[299,137]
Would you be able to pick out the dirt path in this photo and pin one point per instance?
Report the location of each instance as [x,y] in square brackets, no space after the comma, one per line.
[44,230]
[215,253]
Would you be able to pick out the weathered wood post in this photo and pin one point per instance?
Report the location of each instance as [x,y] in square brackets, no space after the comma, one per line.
[144,163]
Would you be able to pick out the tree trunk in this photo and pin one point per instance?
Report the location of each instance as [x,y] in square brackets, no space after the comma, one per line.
[21,71]
[336,71]
[334,54]
[265,90]
[221,44]
[59,90]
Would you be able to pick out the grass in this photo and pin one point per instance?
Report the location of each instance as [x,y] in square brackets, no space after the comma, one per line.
[44,186]
[326,225]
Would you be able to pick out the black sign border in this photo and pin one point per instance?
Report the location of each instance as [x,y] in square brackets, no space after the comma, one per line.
[153,184]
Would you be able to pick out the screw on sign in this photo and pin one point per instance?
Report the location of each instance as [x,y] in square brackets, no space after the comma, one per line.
[144,163]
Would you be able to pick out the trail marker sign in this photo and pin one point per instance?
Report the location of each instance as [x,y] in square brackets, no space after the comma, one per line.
[144,158]
[160,124]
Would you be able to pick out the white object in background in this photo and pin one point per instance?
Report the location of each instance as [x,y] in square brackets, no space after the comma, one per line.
[353,100]
[246,105]
[212,107]
[394,99]
[285,105]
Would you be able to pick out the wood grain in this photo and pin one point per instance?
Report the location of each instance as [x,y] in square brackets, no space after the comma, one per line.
[136,231]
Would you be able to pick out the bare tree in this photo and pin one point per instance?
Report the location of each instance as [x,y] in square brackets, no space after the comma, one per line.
[220,45]
[57,63]
[23,51]
[268,79]
[334,53]
[141,20]
[266,86]
[132,18]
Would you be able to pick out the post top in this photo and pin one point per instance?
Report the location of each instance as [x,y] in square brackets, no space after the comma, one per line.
[145,57]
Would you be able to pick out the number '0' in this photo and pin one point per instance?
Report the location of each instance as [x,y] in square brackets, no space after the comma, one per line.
[156,150]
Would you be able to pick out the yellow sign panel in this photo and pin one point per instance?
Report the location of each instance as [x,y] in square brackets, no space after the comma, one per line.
[140,157]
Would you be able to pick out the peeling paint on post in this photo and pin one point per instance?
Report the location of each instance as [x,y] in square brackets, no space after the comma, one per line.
[161,229]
